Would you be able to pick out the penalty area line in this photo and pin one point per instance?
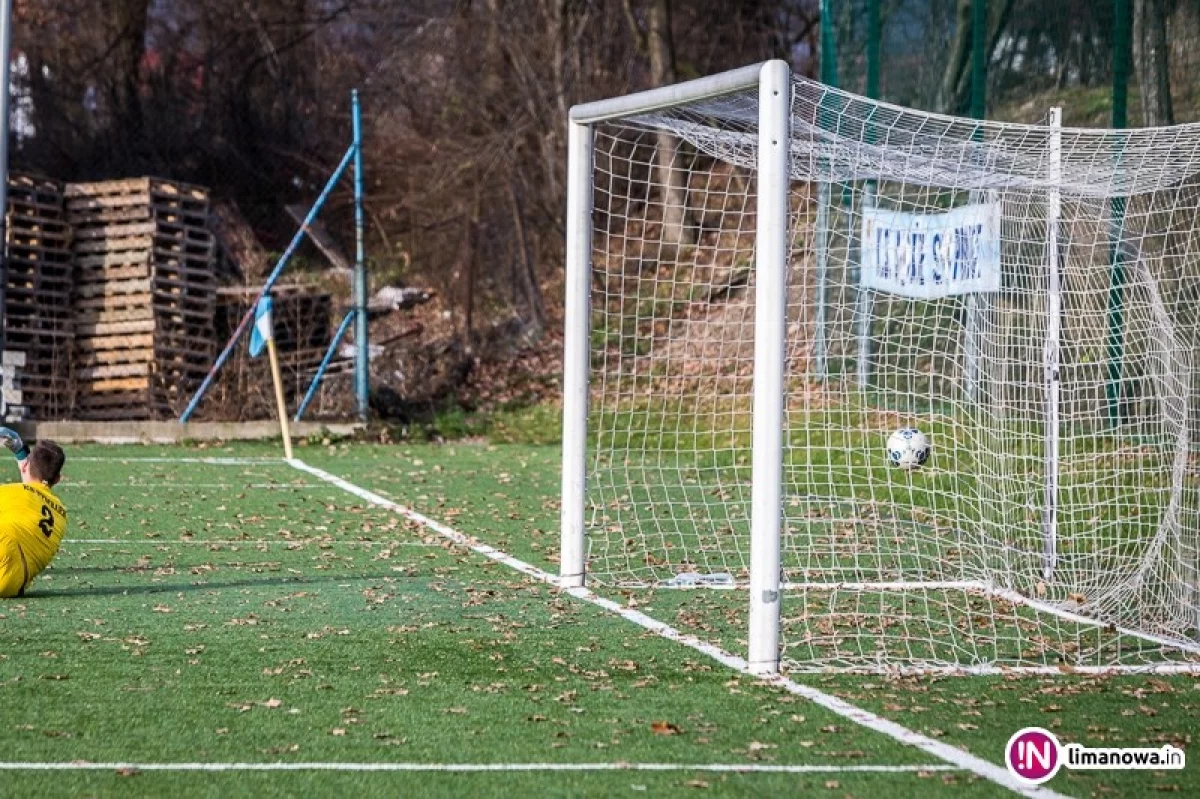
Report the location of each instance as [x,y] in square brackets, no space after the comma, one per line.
[945,752]
[737,768]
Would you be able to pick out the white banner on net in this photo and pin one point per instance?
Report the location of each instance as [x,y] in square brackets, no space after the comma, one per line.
[927,256]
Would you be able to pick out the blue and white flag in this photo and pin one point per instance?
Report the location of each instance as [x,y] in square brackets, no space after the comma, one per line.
[263,328]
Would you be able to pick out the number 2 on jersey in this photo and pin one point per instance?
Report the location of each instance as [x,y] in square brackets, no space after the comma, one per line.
[46,525]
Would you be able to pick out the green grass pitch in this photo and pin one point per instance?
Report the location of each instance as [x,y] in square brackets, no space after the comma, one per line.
[245,612]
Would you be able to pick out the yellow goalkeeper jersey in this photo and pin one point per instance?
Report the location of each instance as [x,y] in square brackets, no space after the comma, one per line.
[32,525]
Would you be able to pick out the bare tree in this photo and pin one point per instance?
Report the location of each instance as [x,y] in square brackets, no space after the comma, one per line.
[1150,53]
[656,41]
[954,92]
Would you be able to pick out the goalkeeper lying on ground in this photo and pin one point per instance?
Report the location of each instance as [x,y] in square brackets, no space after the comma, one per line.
[32,520]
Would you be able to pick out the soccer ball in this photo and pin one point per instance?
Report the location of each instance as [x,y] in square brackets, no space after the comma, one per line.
[908,448]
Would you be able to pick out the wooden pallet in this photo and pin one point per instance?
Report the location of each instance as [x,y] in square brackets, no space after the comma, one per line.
[145,294]
[131,191]
[39,284]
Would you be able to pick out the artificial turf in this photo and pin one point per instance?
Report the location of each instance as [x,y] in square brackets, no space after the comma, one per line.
[249,613]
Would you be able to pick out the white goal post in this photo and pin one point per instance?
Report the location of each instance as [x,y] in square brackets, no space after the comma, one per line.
[766,277]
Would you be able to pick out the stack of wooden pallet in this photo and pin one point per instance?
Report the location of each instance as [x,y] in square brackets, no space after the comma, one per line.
[145,296]
[37,307]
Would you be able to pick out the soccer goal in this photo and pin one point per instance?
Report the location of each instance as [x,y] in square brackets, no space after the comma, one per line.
[767,277]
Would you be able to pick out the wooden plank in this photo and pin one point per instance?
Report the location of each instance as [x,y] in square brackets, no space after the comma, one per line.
[93,343]
[114,371]
[106,187]
[113,288]
[114,231]
[108,315]
[114,328]
[132,272]
[142,212]
[174,230]
[89,246]
[143,185]
[177,247]
[101,358]
[21,222]
[39,239]
[79,206]
[164,307]
[107,259]
[132,213]
[119,302]
[116,384]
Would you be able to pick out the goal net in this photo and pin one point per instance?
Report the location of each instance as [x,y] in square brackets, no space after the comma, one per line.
[1028,296]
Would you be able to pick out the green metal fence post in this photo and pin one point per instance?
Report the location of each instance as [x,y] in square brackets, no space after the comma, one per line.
[864,300]
[974,304]
[979,56]
[1116,290]
[824,201]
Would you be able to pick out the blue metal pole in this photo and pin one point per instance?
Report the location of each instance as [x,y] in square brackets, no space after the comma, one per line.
[275,273]
[316,381]
[362,364]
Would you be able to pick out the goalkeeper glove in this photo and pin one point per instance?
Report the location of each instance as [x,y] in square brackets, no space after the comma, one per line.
[10,439]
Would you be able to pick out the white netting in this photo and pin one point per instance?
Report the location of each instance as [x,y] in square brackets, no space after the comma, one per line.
[945,566]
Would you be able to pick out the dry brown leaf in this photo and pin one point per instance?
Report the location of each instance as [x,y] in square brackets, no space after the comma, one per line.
[664,728]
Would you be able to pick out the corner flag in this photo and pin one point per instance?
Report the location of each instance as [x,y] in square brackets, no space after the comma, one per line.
[264,328]
[263,336]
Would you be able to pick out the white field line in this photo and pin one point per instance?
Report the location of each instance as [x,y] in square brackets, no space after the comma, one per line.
[737,768]
[240,542]
[943,751]
[930,585]
[994,670]
[142,459]
[73,486]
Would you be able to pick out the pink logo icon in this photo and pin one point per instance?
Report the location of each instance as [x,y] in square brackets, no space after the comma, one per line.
[1033,755]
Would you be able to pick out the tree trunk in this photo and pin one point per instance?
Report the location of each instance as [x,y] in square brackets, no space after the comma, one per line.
[526,275]
[998,14]
[670,175]
[467,253]
[1150,55]
[960,53]
[131,17]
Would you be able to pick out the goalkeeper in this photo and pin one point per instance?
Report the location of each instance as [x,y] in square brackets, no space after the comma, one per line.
[32,520]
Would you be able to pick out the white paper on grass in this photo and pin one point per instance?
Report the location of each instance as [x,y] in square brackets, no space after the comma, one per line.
[927,256]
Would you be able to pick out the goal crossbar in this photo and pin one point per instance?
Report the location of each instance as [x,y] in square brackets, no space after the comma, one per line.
[691,91]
